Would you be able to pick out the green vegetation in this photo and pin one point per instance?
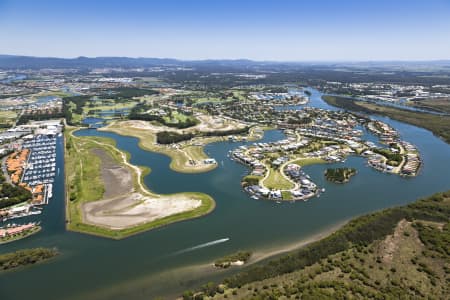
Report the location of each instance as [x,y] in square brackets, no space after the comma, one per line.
[439,125]
[179,159]
[171,118]
[7,118]
[309,161]
[277,181]
[125,93]
[286,195]
[170,137]
[74,107]
[374,256]
[339,175]
[19,236]
[226,261]
[11,194]
[25,257]
[251,180]
[83,181]
[393,159]
[180,120]
[439,104]
[85,184]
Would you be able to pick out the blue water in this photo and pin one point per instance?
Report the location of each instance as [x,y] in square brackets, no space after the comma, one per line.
[151,263]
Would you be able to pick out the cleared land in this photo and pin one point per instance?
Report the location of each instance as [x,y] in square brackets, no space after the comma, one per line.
[180,154]
[186,157]
[106,196]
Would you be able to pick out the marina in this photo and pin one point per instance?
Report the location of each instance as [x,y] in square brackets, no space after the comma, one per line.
[32,166]
[40,169]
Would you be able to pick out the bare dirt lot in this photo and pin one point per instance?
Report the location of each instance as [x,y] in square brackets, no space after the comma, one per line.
[116,178]
[122,207]
[207,124]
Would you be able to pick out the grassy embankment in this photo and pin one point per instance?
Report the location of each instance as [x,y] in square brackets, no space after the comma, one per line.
[84,184]
[439,104]
[25,257]
[439,125]
[397,253]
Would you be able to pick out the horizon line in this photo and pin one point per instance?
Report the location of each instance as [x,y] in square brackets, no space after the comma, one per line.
[237,59]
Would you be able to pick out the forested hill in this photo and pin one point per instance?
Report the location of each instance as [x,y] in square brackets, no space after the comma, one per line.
[398,253]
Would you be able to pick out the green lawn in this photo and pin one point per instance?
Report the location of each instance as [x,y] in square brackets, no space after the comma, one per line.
[309,161]
[276,181]
[177,118]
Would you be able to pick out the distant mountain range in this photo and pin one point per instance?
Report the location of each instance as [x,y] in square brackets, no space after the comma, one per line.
[33,62]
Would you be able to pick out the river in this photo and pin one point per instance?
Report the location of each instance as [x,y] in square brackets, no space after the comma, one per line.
[154,263]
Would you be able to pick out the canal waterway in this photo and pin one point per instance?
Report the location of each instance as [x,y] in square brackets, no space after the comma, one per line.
[168,260]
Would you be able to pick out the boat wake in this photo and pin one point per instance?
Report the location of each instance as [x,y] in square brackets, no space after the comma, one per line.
[209,244]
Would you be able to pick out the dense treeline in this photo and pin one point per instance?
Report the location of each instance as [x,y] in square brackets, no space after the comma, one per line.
[25,257]
[40,117]
[397,157]
[339,175]
[168,137]
[125,93]
[78,101]
[361,231]
[11,194]
[227,132]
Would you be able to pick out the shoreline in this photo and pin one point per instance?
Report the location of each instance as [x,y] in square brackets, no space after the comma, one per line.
[175,155]
[177,162]
[269,253]
[28,234]
[207,204]
[183,278]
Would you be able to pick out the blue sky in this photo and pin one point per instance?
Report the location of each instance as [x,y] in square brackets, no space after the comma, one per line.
[281,30]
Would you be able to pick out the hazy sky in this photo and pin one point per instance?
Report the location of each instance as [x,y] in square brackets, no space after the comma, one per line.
[260,30]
